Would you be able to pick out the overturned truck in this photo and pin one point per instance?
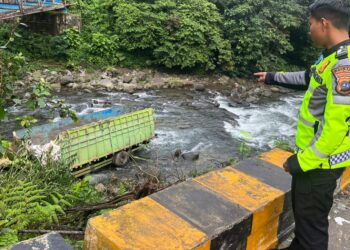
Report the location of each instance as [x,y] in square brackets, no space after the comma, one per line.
[96,140]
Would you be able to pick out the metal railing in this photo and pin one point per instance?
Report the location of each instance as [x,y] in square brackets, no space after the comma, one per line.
[30,6]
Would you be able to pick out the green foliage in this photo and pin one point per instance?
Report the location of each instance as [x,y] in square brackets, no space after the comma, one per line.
[82,192]
[34,45]
[12,68]
[283,144]
[233,160]
[122,189]
[33,191]
[24,204]
[92,48]
[195,172]
[245,150]
[72,38]
[34,194]
[27,167]
[259,32]
[189,35]
[8,237]
[176,34]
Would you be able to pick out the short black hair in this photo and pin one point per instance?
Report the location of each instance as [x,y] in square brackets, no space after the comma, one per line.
[336,11]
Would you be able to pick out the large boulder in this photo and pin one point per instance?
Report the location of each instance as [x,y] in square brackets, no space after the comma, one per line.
[190,156]
[105,83]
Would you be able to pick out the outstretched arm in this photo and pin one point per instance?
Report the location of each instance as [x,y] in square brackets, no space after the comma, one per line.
[294,80]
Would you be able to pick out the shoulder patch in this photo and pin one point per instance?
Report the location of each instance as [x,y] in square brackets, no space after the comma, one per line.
[342,52]
[342,75]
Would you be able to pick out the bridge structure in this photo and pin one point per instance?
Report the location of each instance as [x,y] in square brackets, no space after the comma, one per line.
[17,8]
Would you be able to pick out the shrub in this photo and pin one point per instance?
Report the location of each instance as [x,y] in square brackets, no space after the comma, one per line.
[259,32]
[175,34]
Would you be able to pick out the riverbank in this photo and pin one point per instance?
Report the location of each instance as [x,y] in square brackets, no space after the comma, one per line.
[240,90]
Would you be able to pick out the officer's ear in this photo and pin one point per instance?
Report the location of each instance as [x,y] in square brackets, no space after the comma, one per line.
[325,24]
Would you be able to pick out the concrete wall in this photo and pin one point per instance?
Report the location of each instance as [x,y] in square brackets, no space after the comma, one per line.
[246,206]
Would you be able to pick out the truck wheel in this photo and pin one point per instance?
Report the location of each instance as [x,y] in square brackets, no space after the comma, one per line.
[120,158]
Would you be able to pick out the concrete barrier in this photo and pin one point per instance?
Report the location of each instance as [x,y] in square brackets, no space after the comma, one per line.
[246,206]
[52,241]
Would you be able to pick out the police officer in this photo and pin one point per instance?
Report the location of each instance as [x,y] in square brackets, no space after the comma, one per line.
[322,141]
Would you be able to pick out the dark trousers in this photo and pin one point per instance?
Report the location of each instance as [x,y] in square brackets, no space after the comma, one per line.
[312,200]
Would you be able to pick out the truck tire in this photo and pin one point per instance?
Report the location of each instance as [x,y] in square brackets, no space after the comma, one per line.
[120,158]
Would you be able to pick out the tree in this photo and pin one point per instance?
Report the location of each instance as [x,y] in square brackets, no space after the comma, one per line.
[259,32]
[175,34]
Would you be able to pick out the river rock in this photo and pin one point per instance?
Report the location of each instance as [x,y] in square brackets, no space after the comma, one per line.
[127,78]
[190,156]
[127,87]
[114,72]
[236,86]
[258,91]
[252,99]
[284,90]
[241,89]
[73,85]
[101,103]
[56,87]
[106,83]
[37,75]
[19,84]
[105,75]
[66,79]
[84,78]
[275,90]
[142,76]
[199,87]
[98,178]
[267,93]
[231,105]
[216,104]
[100,188]
[224,80]
[52,79]
[177,153]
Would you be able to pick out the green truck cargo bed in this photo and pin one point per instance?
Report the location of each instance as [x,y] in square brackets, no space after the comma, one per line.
[91,143]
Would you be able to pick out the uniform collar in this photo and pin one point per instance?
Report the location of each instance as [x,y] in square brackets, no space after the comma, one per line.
[335,48]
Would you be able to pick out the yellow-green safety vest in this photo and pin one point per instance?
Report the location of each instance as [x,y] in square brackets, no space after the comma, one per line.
[323,140]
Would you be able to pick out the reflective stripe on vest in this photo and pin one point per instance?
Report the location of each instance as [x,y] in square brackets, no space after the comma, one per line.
[339,158]
[307,123]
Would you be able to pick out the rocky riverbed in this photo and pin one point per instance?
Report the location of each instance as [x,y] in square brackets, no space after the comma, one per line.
[202,123]
[241,91]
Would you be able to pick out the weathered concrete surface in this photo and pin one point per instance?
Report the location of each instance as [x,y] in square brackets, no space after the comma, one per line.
[237,207]
[339,222]
[51,241]
[246,206]
[209,212]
